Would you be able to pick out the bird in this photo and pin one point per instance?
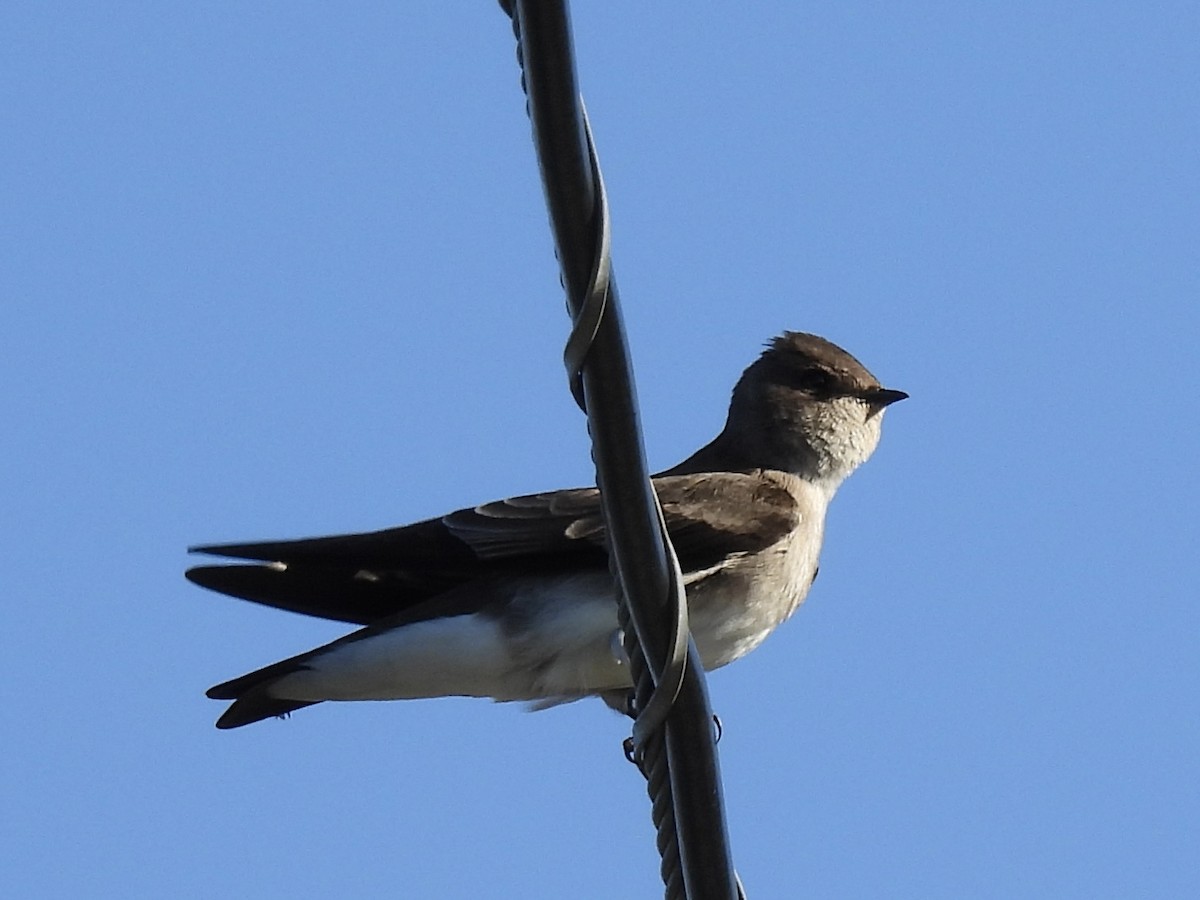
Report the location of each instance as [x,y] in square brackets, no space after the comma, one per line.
[514,600]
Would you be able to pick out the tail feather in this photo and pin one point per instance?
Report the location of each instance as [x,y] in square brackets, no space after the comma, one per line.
[256,706]
[310,590]
[251,694]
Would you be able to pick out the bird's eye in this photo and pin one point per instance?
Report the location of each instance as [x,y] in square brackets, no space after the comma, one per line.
[814,381]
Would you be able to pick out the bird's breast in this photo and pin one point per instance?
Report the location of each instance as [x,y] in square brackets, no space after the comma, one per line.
[735,606]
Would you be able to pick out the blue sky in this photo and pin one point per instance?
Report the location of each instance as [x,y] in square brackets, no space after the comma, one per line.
[273,270]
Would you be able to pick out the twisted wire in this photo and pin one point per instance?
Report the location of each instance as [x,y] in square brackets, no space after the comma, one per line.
[657,682]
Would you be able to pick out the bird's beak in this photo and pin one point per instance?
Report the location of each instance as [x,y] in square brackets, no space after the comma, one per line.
[881,397]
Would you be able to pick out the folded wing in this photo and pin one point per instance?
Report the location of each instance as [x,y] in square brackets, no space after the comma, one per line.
[364,578]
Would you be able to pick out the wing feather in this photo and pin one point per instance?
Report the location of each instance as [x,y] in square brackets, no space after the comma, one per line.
[363,578]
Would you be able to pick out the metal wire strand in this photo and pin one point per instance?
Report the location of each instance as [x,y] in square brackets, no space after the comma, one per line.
[652,699]
[679,760]
[668,677]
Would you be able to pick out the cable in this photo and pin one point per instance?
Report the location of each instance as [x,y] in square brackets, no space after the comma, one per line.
[673,739]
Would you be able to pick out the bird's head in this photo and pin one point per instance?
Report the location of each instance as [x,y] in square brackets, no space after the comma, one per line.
[808,407]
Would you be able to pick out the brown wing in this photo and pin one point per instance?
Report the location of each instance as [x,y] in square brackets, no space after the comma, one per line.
[362,578]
